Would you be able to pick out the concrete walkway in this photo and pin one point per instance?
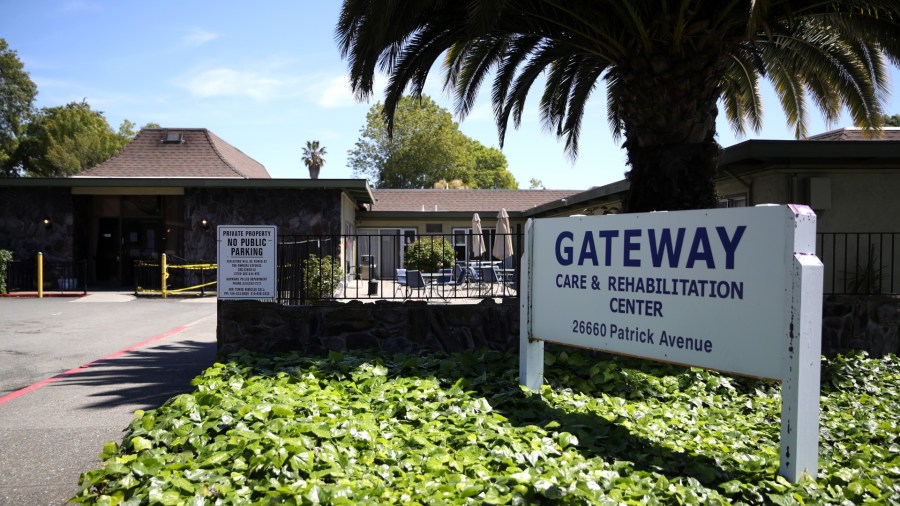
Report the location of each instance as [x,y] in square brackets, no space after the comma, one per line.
[53,430]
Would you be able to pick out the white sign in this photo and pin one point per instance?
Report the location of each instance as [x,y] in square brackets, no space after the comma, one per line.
[735,290]
[247,261]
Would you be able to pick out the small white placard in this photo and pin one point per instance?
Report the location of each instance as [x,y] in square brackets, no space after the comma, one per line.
[247,261]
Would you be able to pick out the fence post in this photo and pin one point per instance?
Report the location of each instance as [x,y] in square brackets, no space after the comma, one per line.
[40,275]
[164,274]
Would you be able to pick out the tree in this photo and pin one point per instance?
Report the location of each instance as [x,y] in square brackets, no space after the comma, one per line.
[62,141]
[665,66]
[536,184]
[425,147]
[17,93]
[313,158]
[893,121]
[490,169]
[456,184]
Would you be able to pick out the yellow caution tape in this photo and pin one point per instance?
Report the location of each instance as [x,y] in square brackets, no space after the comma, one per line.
[191,287]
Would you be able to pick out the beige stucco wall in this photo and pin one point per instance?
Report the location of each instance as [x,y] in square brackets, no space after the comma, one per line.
[862,200]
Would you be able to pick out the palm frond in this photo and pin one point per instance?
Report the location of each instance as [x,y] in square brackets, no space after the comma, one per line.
[614,89]
[740,92]
[790,95]
[467,65]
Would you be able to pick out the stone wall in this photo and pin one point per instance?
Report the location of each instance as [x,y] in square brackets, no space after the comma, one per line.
[22,230]
[857,322]
[849,323]
[392,326]
[314,212]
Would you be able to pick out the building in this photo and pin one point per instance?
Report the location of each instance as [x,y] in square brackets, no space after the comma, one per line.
[164,193]
[167,191]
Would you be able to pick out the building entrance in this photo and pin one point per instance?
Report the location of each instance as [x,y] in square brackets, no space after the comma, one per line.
[130,228]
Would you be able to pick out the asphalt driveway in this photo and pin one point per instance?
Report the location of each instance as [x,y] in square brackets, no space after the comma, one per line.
[74,370]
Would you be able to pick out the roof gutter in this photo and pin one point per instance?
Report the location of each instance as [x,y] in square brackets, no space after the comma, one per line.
[747,185]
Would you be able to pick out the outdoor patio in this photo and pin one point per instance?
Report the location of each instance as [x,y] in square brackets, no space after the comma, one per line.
[388,289]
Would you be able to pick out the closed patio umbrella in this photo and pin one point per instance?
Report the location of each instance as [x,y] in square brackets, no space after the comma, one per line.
[503,246]
[478,248]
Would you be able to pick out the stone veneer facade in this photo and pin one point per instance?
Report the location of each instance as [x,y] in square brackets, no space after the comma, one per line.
[850,323]
[391,326]
[21,223]
[857,322]
[314,212]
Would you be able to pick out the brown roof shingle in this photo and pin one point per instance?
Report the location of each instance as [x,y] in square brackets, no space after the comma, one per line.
[200,154]
[858,134]
[463,200]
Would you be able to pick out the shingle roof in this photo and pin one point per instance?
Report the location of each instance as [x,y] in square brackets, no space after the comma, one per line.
[858,134]
[199,154]
[464,200]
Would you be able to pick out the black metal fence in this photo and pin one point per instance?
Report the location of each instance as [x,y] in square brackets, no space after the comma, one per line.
[58,276]
[398,266]
[309,268]
[860,262]
[454,266]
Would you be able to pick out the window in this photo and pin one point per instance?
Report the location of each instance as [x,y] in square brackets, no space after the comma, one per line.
[739,200]
[434,228]
[385,247]
[173,138]
[462,242]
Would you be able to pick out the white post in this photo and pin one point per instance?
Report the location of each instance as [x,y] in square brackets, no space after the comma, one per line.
[531,351]
[801,376]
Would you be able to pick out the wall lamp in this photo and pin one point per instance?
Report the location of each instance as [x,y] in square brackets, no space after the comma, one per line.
[204,223]
[47,222]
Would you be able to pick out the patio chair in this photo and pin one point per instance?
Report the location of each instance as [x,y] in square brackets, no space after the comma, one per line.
[473,275]
[416,281]
[400,282]
[490,274]
[452,278]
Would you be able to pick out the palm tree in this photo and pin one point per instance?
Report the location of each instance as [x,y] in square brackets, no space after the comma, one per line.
[666,66]
[312,158]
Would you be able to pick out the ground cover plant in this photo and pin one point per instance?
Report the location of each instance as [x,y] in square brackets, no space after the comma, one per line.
[366,428]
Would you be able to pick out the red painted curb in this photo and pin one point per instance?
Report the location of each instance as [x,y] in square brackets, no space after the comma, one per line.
[18,393]
[33,295]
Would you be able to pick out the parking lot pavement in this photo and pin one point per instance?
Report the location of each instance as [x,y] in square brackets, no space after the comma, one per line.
[72,373]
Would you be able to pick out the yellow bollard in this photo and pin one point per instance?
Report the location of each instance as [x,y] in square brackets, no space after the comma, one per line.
[165,274]
[40,280]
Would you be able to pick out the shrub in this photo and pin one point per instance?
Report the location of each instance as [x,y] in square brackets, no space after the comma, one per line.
[322,277]
[429,254]
[5,258]
[379,428]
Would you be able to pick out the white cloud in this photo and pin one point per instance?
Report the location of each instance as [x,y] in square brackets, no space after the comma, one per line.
[224,82]
[334,92]
[199,36]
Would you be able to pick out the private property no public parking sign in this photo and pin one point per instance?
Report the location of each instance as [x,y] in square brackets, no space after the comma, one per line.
[734,290]
[247,261]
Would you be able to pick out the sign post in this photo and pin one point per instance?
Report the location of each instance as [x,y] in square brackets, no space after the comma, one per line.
[733,290]
[247,261]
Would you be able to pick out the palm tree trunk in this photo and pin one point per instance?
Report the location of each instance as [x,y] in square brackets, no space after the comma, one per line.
[669,117]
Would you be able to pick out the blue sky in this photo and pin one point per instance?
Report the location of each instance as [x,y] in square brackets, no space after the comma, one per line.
[268,78]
